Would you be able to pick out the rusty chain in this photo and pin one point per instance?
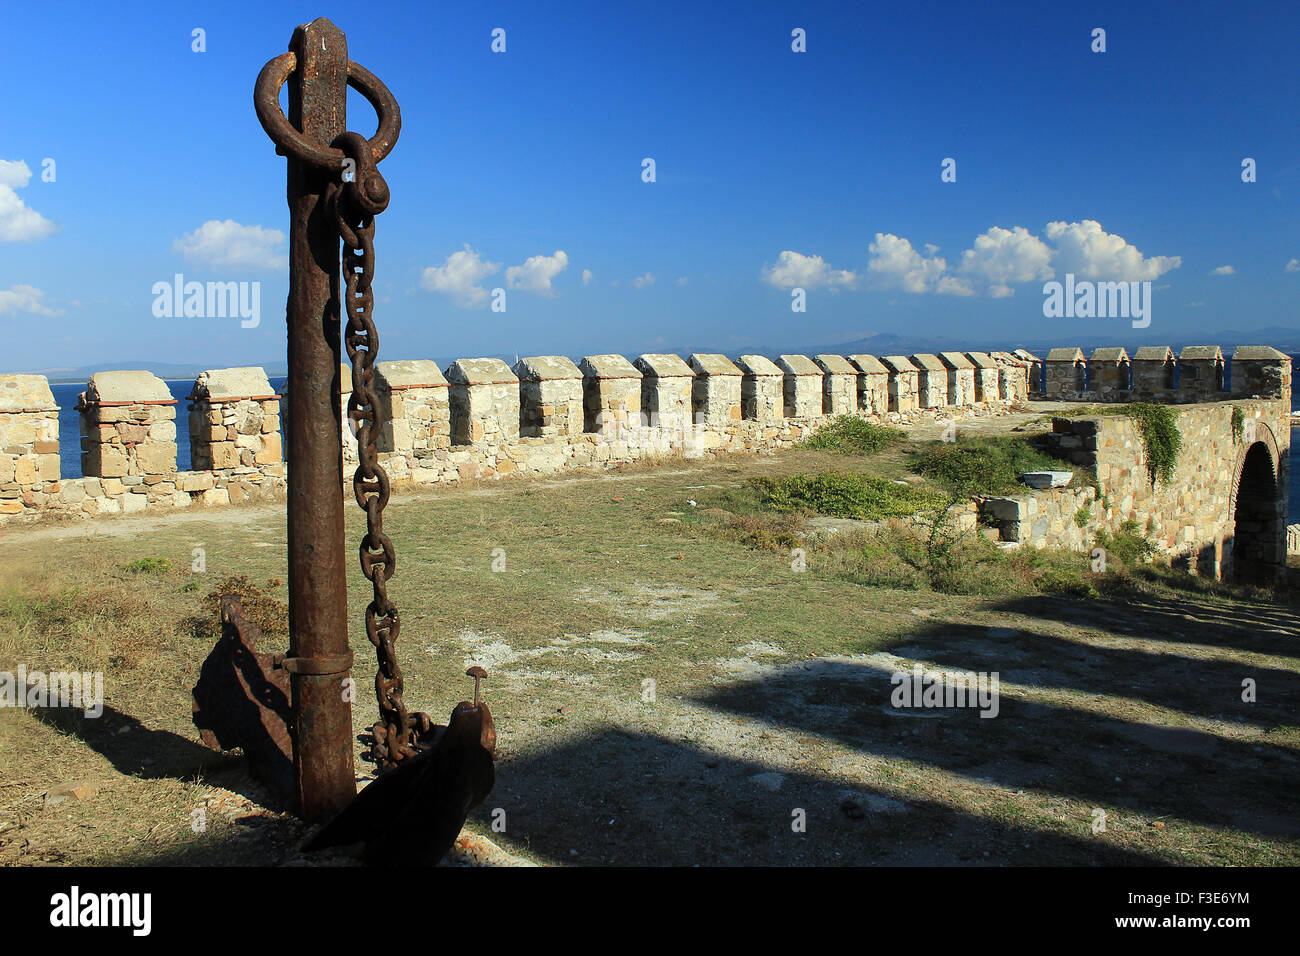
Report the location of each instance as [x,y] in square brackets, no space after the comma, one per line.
[354,205]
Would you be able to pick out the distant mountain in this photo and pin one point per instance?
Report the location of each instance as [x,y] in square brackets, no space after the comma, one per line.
[170,371]
[882,343]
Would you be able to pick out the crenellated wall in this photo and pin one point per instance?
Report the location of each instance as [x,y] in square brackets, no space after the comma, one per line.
[479,418]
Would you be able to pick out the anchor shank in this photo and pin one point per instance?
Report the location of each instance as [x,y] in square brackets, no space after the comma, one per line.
[322,740]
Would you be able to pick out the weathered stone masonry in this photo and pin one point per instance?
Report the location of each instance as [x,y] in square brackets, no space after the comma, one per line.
[1223,511]
[480,418]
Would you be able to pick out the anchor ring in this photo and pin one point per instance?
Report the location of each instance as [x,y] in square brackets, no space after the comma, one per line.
[266,100]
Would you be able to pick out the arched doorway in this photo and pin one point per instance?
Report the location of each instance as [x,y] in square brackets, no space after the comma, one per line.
[1258,542]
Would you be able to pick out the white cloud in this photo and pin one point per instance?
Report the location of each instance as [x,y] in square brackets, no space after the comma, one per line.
[536,273]
[951,285]
[459,276]
[1293,265]
[896,265]
[1224,271]
[14,173]
[682,280]
[1003,256]
[586,277]
[644,282]
[18,223]
[1089,252]
[794,270]
[24,298]
[228,245]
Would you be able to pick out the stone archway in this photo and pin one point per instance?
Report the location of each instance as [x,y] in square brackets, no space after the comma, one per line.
[1258,536]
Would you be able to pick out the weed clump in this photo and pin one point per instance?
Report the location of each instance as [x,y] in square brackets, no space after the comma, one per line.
[844,495]
[148,566]
[853,436]
[1128,544]
[260,604]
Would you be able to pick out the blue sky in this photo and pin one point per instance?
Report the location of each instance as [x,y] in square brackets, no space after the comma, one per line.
[774,169]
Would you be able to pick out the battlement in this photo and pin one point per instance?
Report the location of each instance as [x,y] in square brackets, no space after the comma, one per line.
[481,418]
[1153,374]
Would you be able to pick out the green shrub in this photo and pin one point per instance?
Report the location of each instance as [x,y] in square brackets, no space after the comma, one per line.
[1128,544]
[853,436]
[1083,516]
[843,495]
[1067,581]
[988,465]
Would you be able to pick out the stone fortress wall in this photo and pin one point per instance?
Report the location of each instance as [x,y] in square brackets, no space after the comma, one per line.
[480,418]
[1227,498]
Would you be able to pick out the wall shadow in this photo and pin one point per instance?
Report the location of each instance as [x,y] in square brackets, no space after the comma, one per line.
[1152,771]
[621,798]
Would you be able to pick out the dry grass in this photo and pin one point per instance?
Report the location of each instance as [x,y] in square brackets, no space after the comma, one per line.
[1129,705]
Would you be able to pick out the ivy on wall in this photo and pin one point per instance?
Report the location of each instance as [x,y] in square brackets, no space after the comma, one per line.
[1158,425]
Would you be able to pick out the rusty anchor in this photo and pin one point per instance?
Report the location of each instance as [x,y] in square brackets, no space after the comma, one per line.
[292,713]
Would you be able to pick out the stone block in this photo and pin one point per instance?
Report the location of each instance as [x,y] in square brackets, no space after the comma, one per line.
[132,387]
[25,393]
[716,389]
[156,458]
[223,385]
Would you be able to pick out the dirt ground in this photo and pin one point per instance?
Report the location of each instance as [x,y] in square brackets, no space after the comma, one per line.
[667,697]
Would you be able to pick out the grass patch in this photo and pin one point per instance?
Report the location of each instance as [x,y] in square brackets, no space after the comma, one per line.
[769,532]
[148,566]
[990,465]
[933,554]
[853,436]
[844,495]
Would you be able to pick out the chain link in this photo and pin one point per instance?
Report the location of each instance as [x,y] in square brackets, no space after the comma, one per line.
[354,204]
